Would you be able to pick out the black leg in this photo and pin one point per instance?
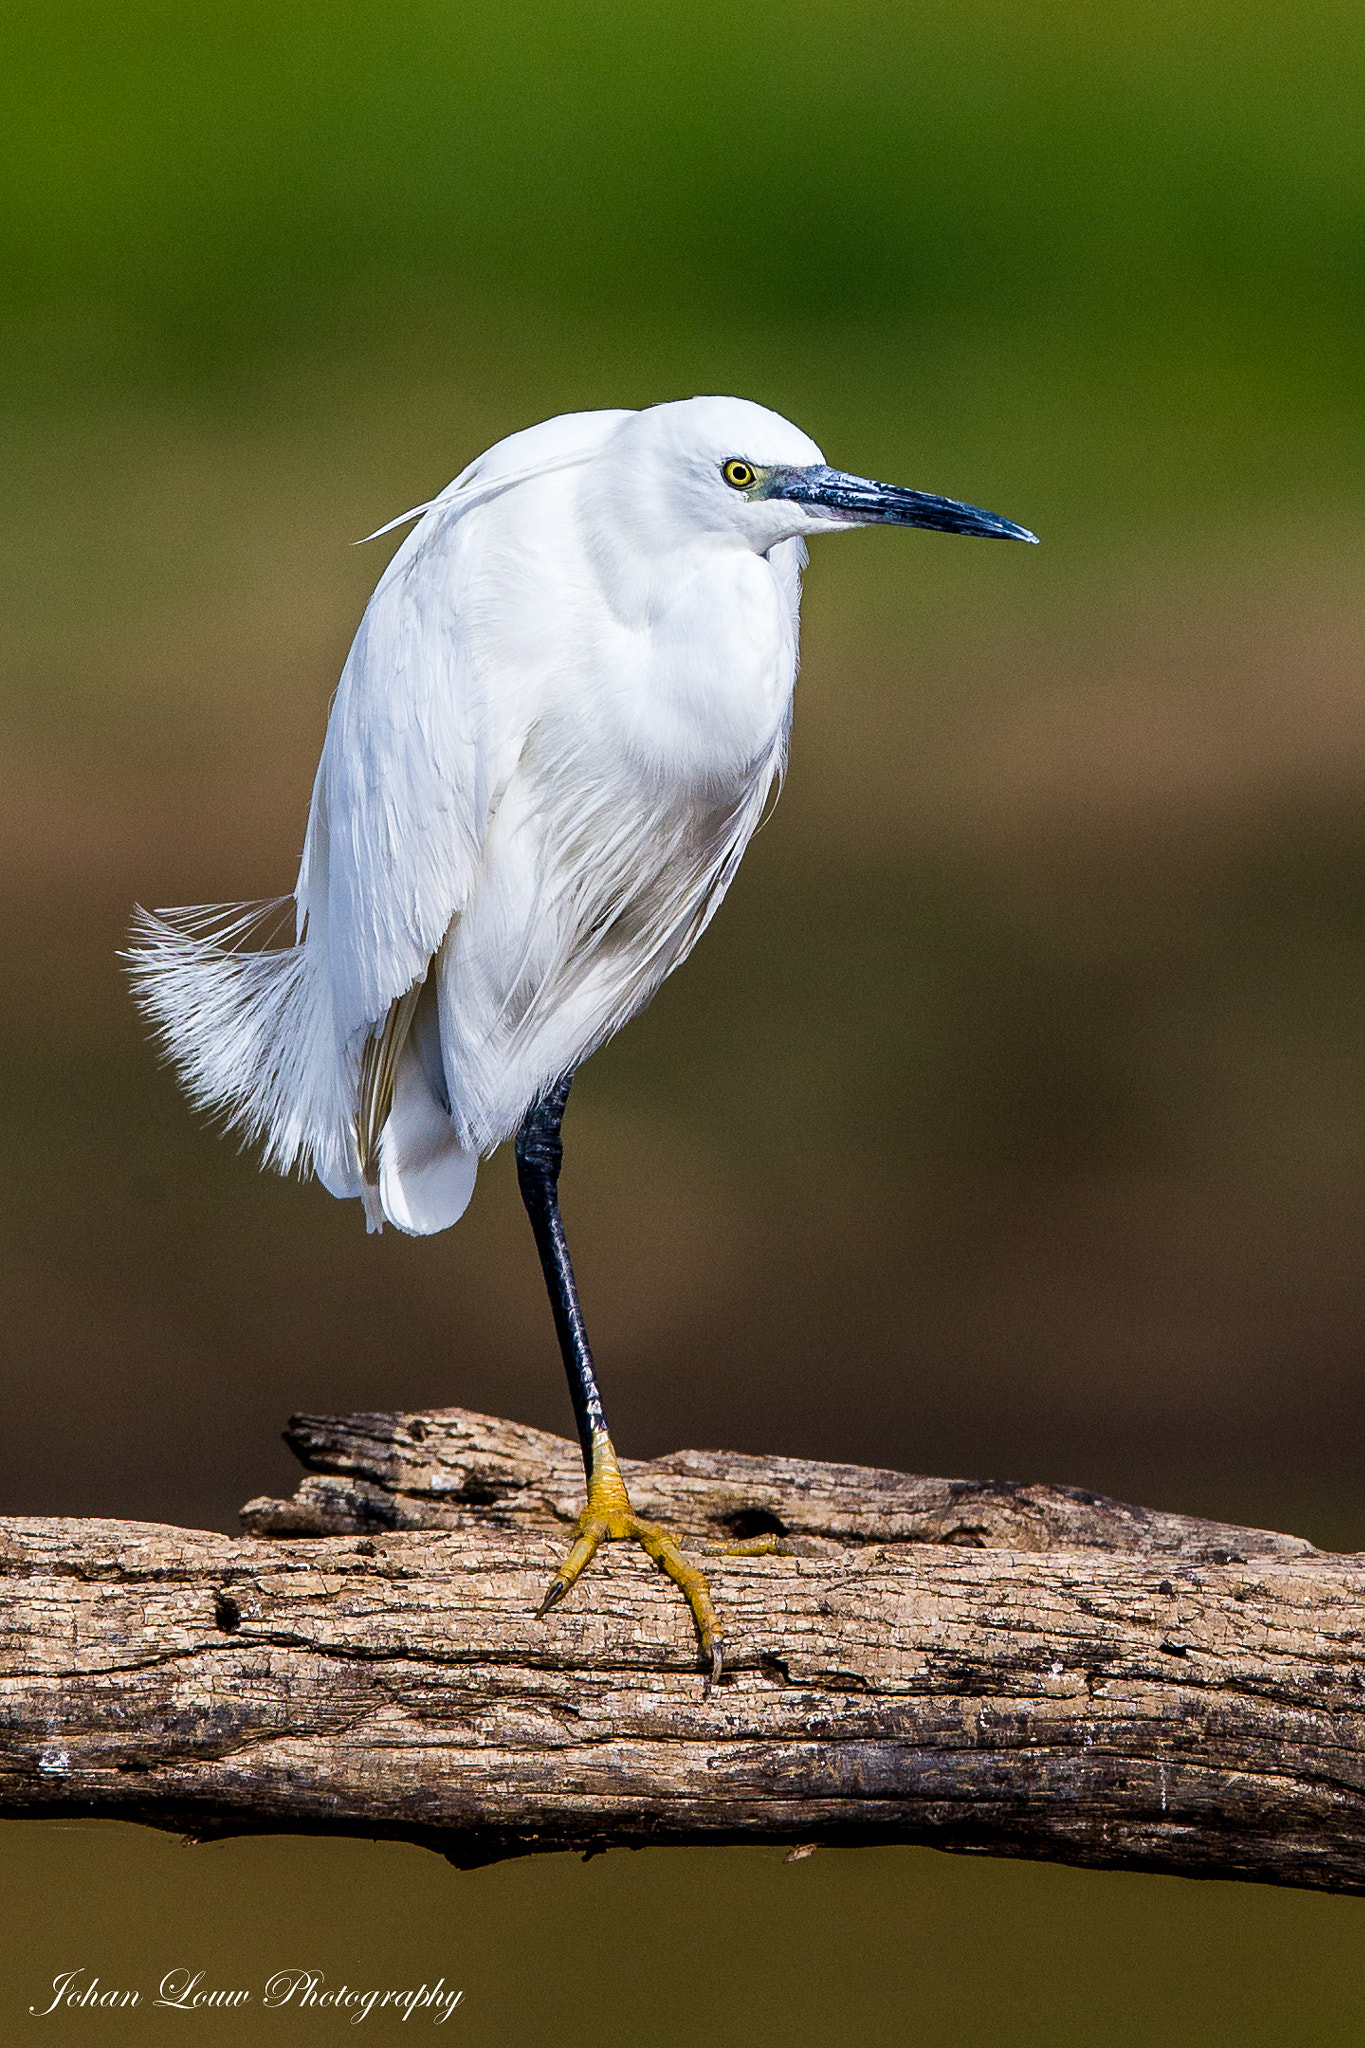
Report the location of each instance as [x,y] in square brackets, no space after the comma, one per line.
[540,1154]
[608,1514]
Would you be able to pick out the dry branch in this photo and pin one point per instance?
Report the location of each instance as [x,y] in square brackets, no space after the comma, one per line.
[1020,1670]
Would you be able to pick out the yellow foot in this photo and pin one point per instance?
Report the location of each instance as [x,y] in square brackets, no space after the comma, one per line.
[609,1517]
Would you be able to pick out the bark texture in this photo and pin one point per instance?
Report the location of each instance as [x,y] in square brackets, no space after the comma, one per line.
[1019,1670]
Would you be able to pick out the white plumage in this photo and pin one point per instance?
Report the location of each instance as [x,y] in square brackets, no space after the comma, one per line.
[561,718]
[556,731]
[560,721]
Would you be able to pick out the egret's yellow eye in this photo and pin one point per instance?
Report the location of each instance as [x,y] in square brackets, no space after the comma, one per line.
[739,475]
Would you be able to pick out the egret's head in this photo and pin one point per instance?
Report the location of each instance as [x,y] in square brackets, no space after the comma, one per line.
[725,467]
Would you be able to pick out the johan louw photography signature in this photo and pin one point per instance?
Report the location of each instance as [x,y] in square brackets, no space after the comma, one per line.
[186,1990]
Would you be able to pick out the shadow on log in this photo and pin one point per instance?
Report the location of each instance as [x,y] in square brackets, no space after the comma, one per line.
[1009,1670]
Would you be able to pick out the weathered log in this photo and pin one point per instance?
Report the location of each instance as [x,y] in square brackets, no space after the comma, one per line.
[1016,1670]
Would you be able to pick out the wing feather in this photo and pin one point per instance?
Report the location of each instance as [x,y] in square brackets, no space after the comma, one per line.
[324,1049]
[419,747]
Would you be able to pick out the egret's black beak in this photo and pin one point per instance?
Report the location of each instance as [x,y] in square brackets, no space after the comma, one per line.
[864,503]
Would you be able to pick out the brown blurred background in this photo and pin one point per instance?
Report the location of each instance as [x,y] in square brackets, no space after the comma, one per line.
[1011,1118]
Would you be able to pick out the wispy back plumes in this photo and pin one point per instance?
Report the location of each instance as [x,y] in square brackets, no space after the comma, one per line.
[248,1032]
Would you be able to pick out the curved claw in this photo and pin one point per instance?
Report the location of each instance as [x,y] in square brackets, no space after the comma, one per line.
[554,1594]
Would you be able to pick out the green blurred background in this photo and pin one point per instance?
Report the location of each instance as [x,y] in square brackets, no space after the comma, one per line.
[1011,1119]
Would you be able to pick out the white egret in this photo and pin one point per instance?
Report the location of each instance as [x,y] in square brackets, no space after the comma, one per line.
[563,714]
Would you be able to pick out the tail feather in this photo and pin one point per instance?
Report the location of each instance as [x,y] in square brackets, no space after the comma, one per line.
[250,1033]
